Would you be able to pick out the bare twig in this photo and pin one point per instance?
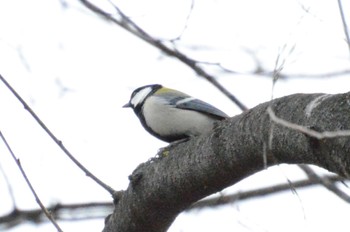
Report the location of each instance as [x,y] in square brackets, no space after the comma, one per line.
[61,212]
[232,198]
[37,199]
[260,71]
[133,28]
[319,135]
[101,209]
[325,182]
[346,30]
[307,75]
[186,23]
[55,139]
[279,65]
[307,131]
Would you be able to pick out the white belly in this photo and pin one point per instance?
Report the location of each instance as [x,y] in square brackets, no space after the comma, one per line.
[165,120]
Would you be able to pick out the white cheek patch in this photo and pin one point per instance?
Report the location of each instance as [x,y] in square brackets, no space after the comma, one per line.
[140,96]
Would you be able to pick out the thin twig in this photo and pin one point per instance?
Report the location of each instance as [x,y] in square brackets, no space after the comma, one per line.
[346,30]
[307,131]
[285,76]
[133,28]
[55,139]
[279,65]
[61,212]
[239,196]
[37,199]
[100,209]
[186,23]
[319,135]
[331,186]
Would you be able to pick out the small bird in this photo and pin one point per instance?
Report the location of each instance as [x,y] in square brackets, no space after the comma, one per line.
[171,115]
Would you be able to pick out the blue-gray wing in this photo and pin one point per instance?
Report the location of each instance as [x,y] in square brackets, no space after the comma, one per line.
[198,105]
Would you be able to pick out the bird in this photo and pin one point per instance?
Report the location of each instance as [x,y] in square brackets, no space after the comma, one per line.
[171,115]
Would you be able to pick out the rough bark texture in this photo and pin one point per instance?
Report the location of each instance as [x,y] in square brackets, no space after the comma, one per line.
[164,187]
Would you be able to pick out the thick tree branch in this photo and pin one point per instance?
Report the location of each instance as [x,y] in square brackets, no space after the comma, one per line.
[160,189]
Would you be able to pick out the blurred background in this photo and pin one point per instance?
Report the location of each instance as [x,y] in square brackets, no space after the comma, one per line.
[76,69]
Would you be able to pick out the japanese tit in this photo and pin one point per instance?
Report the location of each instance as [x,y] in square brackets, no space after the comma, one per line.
[171,115]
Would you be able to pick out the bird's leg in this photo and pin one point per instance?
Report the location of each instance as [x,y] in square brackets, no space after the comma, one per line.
[164,151]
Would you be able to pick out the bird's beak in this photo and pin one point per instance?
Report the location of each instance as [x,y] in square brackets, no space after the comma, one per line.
[127,105]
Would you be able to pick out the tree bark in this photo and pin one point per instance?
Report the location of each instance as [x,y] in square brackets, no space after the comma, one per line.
[238,147]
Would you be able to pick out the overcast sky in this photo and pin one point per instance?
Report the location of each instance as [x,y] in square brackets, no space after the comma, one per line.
[76,71]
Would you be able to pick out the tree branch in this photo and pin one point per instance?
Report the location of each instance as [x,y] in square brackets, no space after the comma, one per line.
[326,182]
[64,212]
[160,189]
[55,139]
[37,199]
[343,19]
[134,29]
[264,191]
[86,211]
